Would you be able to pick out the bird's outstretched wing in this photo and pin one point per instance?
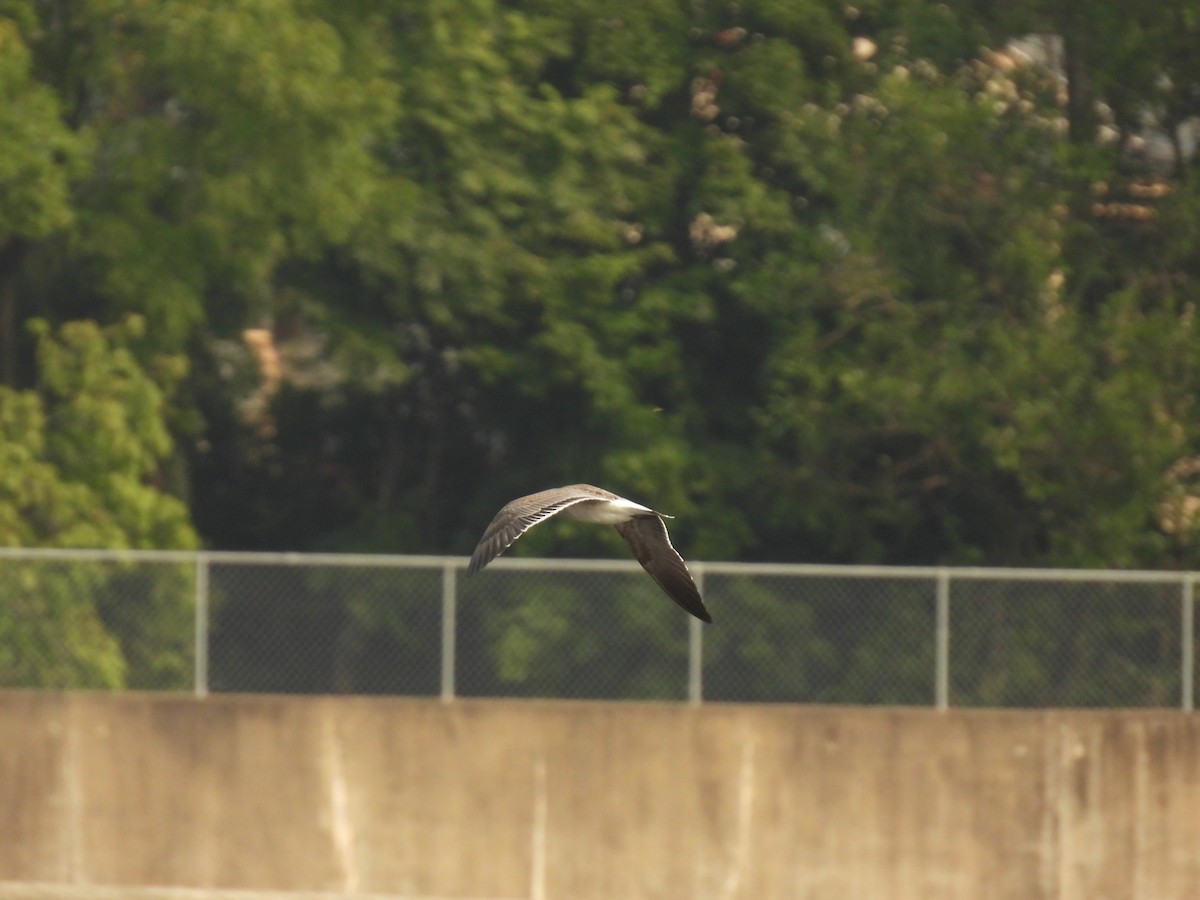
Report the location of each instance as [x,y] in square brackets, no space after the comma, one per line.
[647,537]
[517,517]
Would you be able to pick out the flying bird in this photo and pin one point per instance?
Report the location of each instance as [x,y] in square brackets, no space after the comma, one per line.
[643,529]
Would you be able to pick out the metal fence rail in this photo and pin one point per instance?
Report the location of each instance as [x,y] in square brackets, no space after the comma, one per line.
[334,623]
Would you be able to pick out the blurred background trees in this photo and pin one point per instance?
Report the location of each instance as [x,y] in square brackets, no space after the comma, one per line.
[885,282]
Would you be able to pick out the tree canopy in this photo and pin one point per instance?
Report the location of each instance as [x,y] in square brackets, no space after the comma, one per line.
[891,282]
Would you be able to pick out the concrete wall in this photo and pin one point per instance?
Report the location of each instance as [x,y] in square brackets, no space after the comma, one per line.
[572,801]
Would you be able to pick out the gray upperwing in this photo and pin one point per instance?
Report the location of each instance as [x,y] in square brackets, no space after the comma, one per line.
[517,517]
[647,537]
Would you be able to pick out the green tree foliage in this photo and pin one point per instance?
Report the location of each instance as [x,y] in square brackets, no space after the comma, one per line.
[828,282]
[223,139]
[80,453]
[81,448]
[34,168]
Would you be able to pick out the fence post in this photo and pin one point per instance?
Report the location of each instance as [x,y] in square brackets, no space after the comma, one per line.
[941,674]
[200,651]
[449,623]
[695,690]
[1187,663]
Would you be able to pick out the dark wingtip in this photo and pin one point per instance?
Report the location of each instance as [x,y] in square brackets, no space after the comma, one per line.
[477,562]
[691,602]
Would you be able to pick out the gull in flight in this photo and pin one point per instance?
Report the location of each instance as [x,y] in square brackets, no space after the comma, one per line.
[643,529]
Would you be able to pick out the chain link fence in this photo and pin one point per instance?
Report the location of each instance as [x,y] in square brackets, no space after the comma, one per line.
[288,623]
